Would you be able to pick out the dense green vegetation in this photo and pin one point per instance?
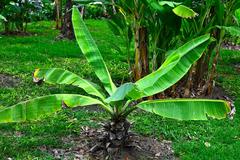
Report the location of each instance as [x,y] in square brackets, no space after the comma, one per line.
[21,55]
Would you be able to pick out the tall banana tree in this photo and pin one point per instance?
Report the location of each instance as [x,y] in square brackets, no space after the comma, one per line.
[148,21]
[225,20]
[67,28]
[117,101]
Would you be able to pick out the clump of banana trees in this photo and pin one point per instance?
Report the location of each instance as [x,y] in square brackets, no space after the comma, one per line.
[219,18]
[148,23]
[155,36]
[118,101]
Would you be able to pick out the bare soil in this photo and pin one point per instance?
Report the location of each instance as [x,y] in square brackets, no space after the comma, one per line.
[142,148]
[7,80]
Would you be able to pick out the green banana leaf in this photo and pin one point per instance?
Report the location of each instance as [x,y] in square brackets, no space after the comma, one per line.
[114,28]
[91,51]
[237,15]
[127,90]
[61,76]
[36,108]
[232,30]
[187,109]
[169,3]
[155,5]
[179,10]
[174,68]
[184,12]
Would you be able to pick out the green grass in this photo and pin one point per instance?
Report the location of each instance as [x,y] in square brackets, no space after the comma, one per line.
[19,56]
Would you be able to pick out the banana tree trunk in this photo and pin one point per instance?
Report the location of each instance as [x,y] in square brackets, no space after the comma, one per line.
[189,84]
[67,28]
[208,57]
[58,17]
[219,34]
[141,67]
[201,77]
[113,7]
[213,71]
[200,73]
[116,135]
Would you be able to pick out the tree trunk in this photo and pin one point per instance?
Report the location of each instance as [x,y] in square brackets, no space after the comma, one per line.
[141,67]
[208,57]
[200,73]
[213,71]
[189,84]
[201,78]
[115,135]
[117,132]
[113,7]
[58,18]
[67,28]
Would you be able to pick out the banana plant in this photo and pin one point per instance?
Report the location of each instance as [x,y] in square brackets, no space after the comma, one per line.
[164,31]
[120,101]
[147,20]
[216,18]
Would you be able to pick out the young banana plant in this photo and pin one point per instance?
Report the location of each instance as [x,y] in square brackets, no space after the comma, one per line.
[117,101]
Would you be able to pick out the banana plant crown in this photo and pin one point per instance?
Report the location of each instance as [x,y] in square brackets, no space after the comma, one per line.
[117,100]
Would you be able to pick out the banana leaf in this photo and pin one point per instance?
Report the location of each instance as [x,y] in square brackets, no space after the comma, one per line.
[169,3]
[61,76]
[37,108]
[174,68]
[126,91]
[91,51]
[232,30]
[184,12]
[187,109]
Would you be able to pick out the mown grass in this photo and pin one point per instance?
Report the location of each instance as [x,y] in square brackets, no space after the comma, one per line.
[19,56]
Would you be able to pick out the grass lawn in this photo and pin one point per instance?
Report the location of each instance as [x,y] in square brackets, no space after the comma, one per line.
[19,56]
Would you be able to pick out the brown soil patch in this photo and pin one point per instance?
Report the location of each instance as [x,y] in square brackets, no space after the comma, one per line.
[142,148]
[8,80]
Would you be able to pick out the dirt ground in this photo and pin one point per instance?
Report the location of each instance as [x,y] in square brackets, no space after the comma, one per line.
[141,148]
[7,80]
